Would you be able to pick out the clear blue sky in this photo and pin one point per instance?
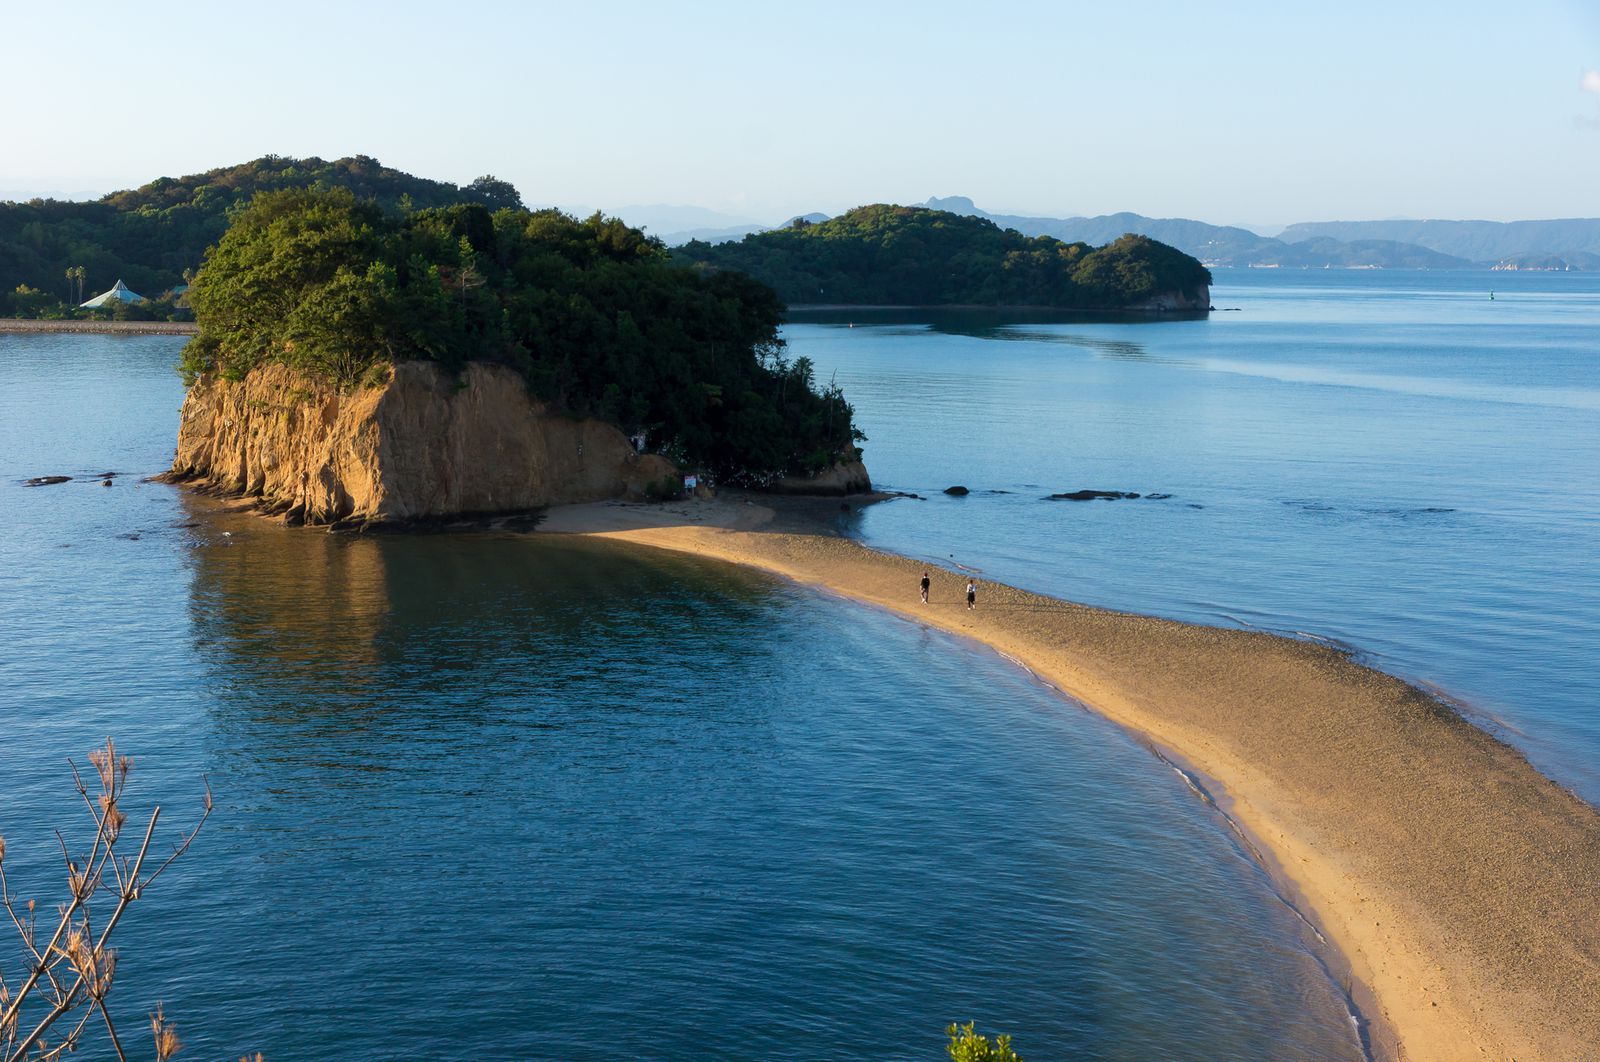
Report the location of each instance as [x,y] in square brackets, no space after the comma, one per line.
[1230,112]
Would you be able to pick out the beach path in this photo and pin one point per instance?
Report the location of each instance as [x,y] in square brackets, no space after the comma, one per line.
[1460,885]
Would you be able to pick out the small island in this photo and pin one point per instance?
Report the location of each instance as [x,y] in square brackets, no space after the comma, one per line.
[912,256]
[356,366]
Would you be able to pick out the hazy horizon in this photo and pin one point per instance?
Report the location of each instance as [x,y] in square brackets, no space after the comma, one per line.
[1253,115]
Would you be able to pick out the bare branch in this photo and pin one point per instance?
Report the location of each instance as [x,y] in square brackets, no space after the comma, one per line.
[111,1031]
[75,941]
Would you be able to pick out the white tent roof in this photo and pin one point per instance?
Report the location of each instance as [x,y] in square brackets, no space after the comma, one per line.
[119,293]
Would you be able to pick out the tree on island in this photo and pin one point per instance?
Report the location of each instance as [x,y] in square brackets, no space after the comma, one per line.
[592,313]
[913,256]
[149,235]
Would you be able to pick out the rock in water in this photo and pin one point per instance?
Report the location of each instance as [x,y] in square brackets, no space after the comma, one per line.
[957,491]
[45,481]
[1090,495]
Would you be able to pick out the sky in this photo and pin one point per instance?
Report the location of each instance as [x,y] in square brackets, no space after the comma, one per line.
[1230,112]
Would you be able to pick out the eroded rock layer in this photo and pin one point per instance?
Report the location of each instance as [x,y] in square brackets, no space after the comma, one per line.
[416,445]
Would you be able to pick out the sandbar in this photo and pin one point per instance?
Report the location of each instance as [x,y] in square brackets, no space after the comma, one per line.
[1461,886]
[113,328]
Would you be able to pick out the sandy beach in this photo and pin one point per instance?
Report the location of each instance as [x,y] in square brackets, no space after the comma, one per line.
[1460,885]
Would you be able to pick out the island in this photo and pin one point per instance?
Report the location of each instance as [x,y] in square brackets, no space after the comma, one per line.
[884,255]
[356,366]
[54,254]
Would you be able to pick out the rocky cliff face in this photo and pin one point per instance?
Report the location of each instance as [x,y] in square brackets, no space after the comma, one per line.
[846,477]
[416,446]
[1196,299]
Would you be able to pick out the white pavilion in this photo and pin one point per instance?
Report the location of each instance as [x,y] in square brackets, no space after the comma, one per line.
[119,293]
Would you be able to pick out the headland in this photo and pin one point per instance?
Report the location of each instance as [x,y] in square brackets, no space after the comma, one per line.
[1461,886]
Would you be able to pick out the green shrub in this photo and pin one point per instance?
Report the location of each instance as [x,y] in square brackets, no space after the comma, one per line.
[967,1046]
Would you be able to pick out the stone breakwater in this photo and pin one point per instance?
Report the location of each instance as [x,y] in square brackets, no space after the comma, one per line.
[416,445]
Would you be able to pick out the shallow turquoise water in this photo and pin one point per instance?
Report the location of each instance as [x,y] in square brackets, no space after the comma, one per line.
[1391,461]
[487,796]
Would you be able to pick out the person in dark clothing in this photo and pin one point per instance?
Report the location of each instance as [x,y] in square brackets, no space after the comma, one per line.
[925,588]
[972,593]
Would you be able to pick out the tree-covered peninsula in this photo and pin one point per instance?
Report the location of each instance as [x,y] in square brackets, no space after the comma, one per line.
[913,256]
[593,314]
[151,236]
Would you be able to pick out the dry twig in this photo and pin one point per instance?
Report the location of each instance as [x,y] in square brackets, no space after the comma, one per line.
[69,976]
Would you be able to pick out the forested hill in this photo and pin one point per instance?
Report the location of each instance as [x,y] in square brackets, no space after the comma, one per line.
[913,256]
[591,313]
[149,236]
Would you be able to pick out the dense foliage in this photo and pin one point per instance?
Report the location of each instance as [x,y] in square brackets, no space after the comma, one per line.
[912,256]
[593,314]
[150,236]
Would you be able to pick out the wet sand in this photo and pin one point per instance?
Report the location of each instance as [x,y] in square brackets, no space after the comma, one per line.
[1460,885]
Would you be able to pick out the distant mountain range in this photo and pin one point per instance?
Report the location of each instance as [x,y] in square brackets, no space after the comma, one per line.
[680,224]
[1556,245]
[1478,241]
[1567,244]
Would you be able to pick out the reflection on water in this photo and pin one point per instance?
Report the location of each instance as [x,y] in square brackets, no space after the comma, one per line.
[660,796]
[976,322]
[496,796]
[303,605]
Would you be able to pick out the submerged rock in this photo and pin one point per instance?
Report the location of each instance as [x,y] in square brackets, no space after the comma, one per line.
[45,481]
[957,491]
[1091,495]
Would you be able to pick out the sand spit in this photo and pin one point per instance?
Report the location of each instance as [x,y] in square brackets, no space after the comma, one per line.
[113,328]
[1460,884]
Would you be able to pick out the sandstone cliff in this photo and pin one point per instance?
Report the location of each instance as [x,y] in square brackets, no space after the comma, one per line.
[418,445]
[845,477]
[1198,298]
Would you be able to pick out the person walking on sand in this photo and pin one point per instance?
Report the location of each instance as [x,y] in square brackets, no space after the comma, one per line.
[972,594]
[924,588]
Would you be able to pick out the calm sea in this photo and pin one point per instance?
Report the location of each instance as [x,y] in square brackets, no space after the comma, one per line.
[486,795]
[1394,462]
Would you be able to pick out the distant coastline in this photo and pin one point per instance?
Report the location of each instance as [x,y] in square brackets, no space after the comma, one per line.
[998,307]
[1460,884]
[17,325]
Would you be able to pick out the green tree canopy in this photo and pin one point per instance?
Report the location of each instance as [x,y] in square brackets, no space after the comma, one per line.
[913,256]
[149,235]
[593,314]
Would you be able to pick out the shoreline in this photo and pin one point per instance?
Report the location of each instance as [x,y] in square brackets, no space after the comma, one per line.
[996,307]
[26,326]
[1460,885]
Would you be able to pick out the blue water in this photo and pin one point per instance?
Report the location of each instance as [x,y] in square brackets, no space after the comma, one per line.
[493,796]
[1391,461]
